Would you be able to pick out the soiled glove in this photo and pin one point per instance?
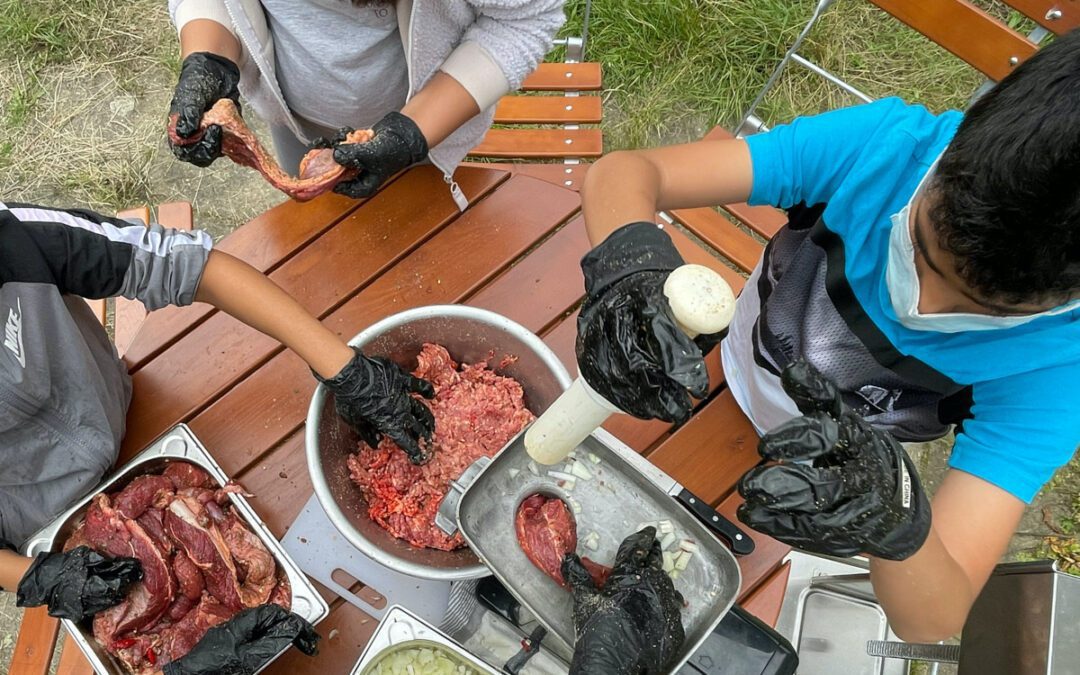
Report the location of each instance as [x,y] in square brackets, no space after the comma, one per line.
[629,347]
[246,642]
[397,144]
[860,495]
[205,79]
[77,584]
[632,626]
[374,395]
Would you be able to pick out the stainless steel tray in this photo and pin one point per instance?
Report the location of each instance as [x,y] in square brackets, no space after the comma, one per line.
[400,629]
[613,503]
[177,444]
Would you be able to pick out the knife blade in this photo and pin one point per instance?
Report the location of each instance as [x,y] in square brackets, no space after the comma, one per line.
[738,541]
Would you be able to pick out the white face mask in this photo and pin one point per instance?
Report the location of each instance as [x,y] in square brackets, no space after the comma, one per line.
[902,280]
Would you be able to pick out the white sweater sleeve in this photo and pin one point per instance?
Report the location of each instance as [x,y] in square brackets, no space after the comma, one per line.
[185,11]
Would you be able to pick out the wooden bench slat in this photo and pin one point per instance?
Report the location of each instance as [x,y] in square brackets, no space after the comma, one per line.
[720,233]
[1067,13]
[712,451]
[259,411]
[540,143]
[569,176]
[549,110]
[564,77]
[966,31]
[766,600]
[34,646]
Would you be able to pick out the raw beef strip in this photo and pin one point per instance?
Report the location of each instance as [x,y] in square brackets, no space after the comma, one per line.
[282,594]
[190,580]
[185,475]
[152,521]
[117,536]
[141,494]
[146,654]
[476,413]
[189,525]
[252,559]
[546,532]
[319,172]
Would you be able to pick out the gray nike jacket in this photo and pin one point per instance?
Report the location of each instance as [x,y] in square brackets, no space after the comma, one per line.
[64,392]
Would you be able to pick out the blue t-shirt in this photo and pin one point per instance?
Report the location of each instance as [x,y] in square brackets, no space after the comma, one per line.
[865,162]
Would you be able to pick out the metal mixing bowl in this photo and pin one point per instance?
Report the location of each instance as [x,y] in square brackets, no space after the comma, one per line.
[470,335]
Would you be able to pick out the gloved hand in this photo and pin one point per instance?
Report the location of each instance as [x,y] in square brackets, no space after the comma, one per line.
[246,642]
[632,626]
[374,395]
[629,347]
[205,78]
[862,493]
[77,584]
[397,144]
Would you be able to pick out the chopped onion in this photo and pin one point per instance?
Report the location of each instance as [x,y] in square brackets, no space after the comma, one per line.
[592,541]
[667,541]
[579,470]
[594,458]
[513,472]
[689,545]
[574,505]
[533,469]
[674,575]
[560,475]
[666,527]
[683,560]
[669,562]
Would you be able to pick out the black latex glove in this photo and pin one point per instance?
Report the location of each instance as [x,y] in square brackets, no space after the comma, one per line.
[374,395]
[396,145]
[246,642]
[860,495]
[77,584]
[205,79]
[629,347]
[632,626]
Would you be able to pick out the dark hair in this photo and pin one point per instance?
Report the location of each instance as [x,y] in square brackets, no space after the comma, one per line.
[1006,194]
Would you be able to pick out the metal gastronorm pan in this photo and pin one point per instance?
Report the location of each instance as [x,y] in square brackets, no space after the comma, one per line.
[178,444]
[613,503]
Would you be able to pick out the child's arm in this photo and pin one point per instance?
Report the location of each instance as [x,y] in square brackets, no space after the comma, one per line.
[928,596]
[631,186]
[12,569]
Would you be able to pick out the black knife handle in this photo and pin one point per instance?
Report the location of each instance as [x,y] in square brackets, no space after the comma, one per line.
[739,541]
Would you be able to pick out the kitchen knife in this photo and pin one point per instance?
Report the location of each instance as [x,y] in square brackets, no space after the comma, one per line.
[738,541]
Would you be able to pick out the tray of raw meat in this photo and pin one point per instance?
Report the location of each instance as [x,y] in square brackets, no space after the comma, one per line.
[205,555]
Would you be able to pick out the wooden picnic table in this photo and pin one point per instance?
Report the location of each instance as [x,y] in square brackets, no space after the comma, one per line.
[515,251]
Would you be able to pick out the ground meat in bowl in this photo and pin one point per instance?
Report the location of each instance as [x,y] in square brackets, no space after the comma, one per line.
[477,411]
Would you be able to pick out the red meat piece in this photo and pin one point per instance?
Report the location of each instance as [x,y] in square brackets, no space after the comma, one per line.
[189,525]
[190,580]
[319,172]
[476,413]
[185,475]
[152,522]
[252,559]
[141,493]
[546,532]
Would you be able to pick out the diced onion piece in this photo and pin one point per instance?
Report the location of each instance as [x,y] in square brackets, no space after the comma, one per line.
[669,562]
[667,541]
[561,475]
[579,470]
[666,527]
[533,469]
[573,454]
[688,545]
[574,505]
[514,472]
[674,575]
[683,560]
[592,541]
[594,458]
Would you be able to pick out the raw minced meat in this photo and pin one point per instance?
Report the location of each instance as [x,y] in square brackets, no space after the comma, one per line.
[476,410]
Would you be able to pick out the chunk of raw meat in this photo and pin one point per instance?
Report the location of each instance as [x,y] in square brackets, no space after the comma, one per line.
[546,532]
[152,521]
[319,172]
[190,580]
[476,410]
[141,494]
[189,525]
[186,475]
[252,558]
[282,594]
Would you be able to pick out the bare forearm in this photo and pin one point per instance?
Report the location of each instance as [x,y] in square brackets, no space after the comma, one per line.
[238,289]
[12,569]
[440,108]
[204,35]
[926,597]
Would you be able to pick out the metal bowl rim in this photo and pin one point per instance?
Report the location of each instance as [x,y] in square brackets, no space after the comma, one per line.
[311,432]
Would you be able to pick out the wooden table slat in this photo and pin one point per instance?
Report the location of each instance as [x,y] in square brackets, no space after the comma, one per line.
[765,600]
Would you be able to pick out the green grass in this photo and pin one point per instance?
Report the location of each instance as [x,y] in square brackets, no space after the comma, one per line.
[675,68]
